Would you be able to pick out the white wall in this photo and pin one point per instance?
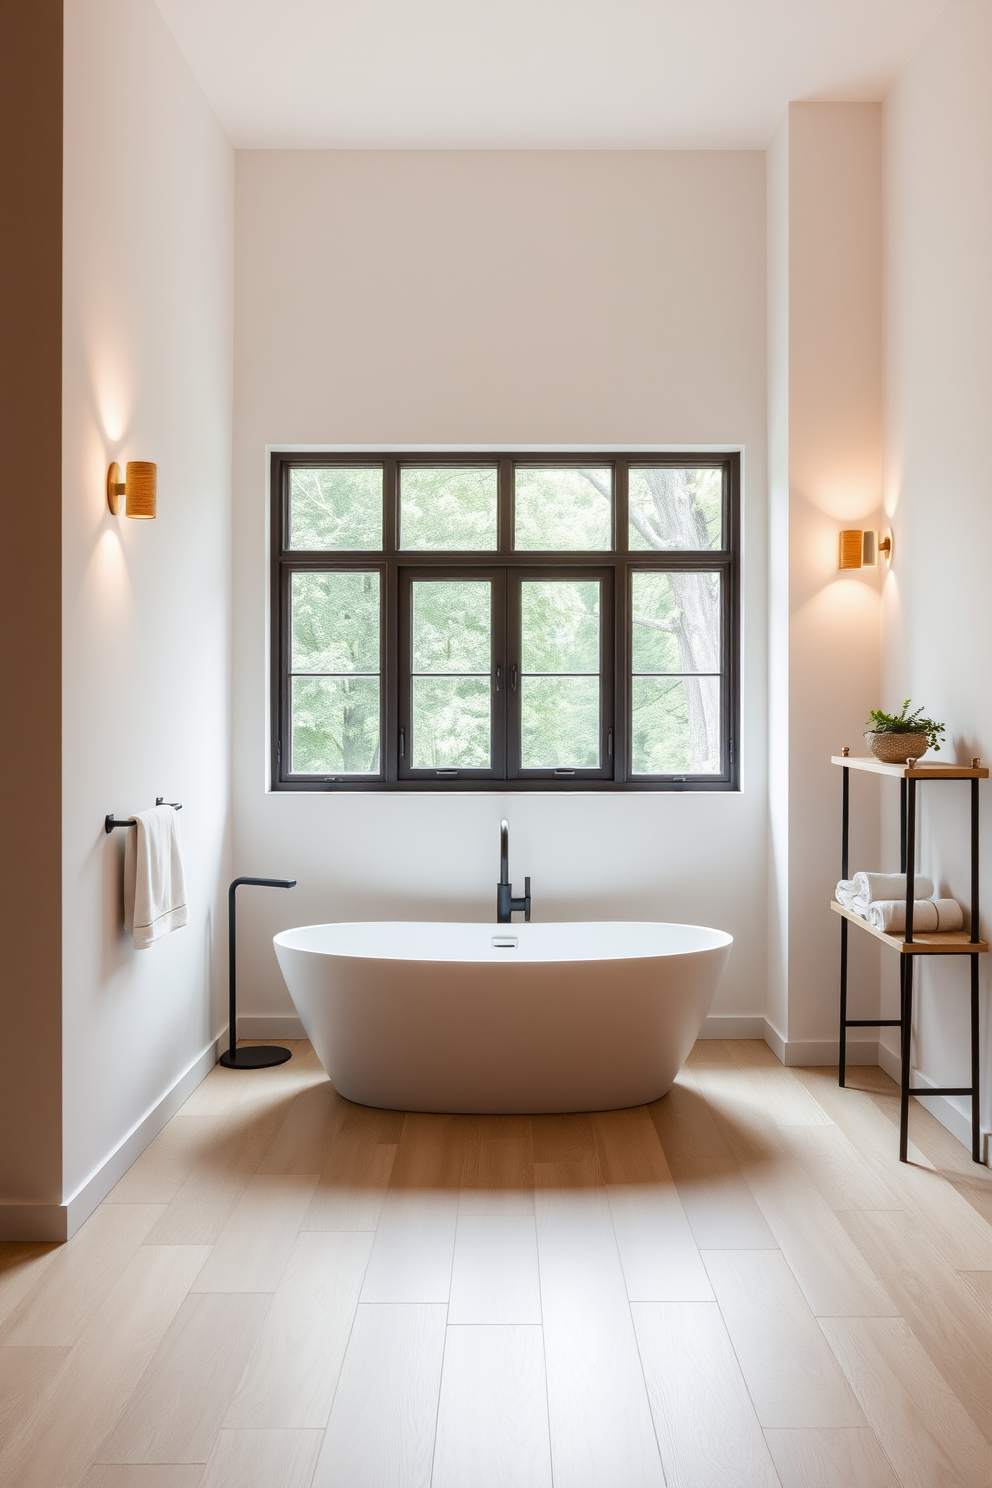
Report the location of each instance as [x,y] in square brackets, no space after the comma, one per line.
[937,613]
[148,213]
[497,299]
[777,269]
[825,423]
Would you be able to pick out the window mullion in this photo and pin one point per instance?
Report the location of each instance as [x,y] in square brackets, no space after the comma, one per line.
[504,507]
[621,674]
[390,667]
[501,657]
[620,506]
[390,506]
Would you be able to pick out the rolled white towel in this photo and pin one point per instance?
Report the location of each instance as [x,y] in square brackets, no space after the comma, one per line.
[845,895]
[869,888]
[928,915]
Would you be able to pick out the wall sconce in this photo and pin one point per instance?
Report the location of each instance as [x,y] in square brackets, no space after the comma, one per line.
[860,549]
[137,492]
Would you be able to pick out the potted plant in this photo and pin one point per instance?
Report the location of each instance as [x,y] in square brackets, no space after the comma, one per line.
[898,737]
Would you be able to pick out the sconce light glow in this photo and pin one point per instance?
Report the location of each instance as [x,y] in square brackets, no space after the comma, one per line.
[860,549]
[137,492]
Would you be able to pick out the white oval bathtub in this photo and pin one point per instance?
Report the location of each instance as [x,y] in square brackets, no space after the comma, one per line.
[441,1017]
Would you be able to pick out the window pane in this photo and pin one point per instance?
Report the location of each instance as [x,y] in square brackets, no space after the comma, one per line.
[559,624]
[335,622]
[451,708]
[335,725]
[676,726]
[452,625]
[559,723]
[335,508]
[449,509]
[676,622]
[451,722]
[675,509]
[563,509]
[560,633]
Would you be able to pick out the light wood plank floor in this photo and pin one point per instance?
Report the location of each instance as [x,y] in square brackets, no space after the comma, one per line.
[737,1287]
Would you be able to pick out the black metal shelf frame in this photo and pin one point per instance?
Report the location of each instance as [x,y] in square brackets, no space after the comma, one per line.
[907,960]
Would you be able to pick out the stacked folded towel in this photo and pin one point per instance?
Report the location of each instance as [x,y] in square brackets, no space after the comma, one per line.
[863,889]
[928,914]
[880,898]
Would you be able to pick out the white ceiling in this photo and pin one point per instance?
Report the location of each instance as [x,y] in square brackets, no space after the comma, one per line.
[555,74]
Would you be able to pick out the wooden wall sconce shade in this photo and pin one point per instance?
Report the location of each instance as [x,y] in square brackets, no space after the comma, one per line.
[136,493]
[860,549]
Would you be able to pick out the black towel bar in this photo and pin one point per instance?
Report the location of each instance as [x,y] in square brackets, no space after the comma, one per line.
[109,824]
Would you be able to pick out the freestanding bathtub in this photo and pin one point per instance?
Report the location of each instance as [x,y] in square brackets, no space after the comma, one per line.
[501,1018]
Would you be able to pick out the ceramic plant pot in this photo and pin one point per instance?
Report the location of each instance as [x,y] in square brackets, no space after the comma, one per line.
[896,749]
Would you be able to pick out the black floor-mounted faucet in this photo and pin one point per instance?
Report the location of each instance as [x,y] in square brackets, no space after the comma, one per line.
[505,902]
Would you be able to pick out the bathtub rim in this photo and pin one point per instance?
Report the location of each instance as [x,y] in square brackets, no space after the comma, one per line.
[377,951]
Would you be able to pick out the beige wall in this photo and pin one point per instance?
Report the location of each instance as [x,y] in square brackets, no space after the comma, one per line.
[147,375]
[30,603]
[499,299]
[825,366]
[937,613]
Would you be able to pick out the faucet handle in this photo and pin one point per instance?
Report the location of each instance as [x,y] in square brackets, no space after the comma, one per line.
[527,898]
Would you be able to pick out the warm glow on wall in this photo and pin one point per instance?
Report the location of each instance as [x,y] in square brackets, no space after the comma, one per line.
[137,492]
[112,397]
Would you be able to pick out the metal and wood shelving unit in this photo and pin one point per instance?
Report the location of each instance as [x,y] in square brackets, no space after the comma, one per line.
[910,945]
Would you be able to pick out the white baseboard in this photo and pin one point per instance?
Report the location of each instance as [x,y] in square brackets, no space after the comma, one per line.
[827,1051]
[941,1107]
[733,1026]
[61,1221]
[890,1062]
[266,1025]
[796,1052]
[775,1041]
[33,1222]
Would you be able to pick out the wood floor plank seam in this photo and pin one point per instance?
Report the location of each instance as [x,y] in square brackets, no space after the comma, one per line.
[856,1458]
[292,1373]
[689,1363]
[761,1292]
[437,1404]
[934,1307]
[946,1446]
[547,1392]
[747,1386]
[647,1388]
[337,1383]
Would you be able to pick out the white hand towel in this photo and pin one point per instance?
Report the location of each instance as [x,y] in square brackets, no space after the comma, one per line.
[870,887]
[154,882]
[928,915]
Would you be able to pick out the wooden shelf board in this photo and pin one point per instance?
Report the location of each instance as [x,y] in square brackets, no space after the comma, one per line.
[928,771]
[936,943]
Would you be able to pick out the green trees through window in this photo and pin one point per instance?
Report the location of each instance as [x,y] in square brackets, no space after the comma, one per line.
[450,665]
[452,620]
[334,660]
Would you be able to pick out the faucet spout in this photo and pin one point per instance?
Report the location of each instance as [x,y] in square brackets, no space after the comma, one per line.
[506,904]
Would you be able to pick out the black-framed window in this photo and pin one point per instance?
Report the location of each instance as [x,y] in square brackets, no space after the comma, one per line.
[457,621]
